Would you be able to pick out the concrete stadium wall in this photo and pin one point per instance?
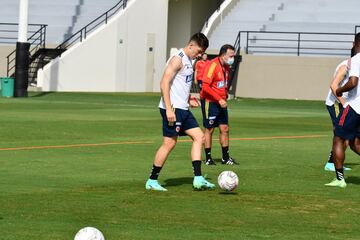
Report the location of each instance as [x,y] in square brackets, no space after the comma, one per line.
[5,50]
[284,77]
[126,55]
[185,18]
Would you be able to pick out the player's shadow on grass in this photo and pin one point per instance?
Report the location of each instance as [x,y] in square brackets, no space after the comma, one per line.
[351,164]
[217,160]
[178,181]
[228,193]
[42,94]
[353,180]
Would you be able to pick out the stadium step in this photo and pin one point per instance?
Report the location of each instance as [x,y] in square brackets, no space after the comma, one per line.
[39,59]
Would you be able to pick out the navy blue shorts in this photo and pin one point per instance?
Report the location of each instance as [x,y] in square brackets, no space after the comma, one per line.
[348,124]
[184,121]
[200,84]
[334,111]
[213,114]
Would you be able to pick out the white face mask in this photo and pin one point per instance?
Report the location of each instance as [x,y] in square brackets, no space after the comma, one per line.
[230,61]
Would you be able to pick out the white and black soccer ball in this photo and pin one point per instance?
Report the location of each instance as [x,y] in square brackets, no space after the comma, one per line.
[89,233]
[228,180]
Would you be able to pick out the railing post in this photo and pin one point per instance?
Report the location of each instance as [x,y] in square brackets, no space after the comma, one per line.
[41,35]
[81,35]
[8,65]
[85,32]
[247,42]
[106,17]
[239,49]
[44,36]
[298,47]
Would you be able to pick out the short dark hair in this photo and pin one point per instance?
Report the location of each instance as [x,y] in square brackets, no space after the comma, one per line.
[224,49]
[353,51]
[201,40]
[357,39]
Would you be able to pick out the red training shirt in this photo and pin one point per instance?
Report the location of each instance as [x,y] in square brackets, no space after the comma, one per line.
[215,81]
[199,68]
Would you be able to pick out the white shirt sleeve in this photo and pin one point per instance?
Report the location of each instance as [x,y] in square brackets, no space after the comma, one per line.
[355,66]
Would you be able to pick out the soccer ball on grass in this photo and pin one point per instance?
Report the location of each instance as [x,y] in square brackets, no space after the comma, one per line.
[228,180]
[89,233]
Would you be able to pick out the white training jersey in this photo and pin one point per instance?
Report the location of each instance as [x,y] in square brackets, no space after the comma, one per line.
[354,99]
[331,98]
[181,84]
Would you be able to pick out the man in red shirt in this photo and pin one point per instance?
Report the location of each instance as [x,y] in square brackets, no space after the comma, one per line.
[199,70]
[213,96]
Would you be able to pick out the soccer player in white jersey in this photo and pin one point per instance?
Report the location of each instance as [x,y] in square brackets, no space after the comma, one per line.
[174,109]
[335,104]
[348,123]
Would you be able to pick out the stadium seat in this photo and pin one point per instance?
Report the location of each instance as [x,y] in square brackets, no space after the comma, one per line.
[63,17]
[323,16]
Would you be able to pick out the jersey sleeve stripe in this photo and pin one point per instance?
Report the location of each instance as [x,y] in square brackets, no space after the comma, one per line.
[211,70]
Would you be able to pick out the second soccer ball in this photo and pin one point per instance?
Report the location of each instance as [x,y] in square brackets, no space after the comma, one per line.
[89,233]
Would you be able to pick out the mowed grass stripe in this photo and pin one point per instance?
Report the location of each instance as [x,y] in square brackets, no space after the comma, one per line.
[150,142]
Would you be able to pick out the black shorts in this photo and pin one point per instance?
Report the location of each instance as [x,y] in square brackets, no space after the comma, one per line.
[213,114]
[184,121]
[348,124]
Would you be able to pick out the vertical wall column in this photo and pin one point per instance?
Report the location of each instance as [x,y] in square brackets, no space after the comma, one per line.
[22,53]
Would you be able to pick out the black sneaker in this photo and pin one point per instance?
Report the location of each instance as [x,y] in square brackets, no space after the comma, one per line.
[210,162]
[230,161]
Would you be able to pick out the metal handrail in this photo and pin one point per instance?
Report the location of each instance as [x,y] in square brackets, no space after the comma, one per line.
[295,40]
[357,29]
[218,5]
[8,32]
[37,40]
[80,35]
[237,44]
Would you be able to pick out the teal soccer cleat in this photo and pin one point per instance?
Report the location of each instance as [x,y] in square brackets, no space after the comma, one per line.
[154,185]
[200,183]
[331,167]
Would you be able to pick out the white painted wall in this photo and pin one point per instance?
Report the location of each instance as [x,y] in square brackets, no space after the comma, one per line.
[114,57]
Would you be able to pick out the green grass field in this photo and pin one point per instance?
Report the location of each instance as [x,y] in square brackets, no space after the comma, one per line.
[52,192]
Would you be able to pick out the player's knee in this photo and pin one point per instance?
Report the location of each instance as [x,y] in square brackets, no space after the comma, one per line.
[354,145]
[169,144]
[200,138]
[209,130]
[224,129]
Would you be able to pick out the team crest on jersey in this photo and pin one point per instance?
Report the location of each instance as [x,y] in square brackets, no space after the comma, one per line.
[177,129]
[211,122]
[221,84]
[187,66]
[189,78]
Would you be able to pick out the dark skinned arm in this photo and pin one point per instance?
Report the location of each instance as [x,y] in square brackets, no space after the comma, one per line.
[353,82]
